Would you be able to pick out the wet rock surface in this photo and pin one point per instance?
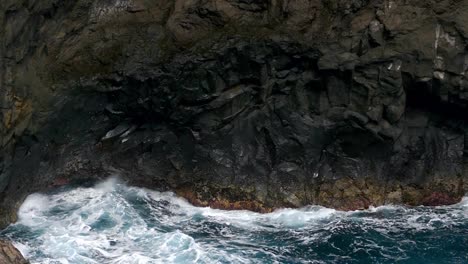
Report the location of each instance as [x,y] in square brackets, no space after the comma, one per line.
[237,104]
[10,255]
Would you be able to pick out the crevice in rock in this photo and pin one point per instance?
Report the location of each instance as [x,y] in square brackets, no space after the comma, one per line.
[269,143]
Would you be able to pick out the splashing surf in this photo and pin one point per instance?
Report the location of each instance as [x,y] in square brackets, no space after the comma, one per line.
[114,223]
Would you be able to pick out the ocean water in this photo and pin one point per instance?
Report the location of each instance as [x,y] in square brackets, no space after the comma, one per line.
[114,223]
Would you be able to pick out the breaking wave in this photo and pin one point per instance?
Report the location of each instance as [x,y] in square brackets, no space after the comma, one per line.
[113,223]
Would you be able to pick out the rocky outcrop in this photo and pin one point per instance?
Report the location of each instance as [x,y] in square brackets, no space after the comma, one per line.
[10,255]
[252,104]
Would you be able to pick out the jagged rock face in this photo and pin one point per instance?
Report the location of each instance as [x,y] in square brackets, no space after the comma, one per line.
[10,255]
[251,104]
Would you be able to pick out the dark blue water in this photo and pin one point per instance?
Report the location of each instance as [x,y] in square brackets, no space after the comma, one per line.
[113,223]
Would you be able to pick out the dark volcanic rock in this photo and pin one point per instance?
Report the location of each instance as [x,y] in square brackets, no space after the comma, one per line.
[237,104]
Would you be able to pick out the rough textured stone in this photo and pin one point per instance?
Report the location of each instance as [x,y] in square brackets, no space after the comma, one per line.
[238,104]
[10,255]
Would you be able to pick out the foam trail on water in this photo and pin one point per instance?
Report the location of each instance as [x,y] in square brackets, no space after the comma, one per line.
[464,201]
[114,223]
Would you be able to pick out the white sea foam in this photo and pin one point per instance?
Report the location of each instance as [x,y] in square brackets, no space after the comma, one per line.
[299,217]
[464,202]
[113,223]
[284,217]
[34,203]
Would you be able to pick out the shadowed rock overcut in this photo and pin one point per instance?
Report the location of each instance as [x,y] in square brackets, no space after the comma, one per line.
[237,104]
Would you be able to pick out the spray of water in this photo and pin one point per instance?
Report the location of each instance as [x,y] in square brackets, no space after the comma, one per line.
[114,223]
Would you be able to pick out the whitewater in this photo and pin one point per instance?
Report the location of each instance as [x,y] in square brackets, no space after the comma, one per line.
[114,223]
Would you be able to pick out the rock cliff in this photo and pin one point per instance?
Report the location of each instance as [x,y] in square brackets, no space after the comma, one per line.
[252,104]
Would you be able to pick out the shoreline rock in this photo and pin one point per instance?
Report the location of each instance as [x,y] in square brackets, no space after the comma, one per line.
[255,105]
[10,255]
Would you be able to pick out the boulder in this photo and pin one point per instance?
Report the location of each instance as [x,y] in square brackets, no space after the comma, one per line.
[10,255]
